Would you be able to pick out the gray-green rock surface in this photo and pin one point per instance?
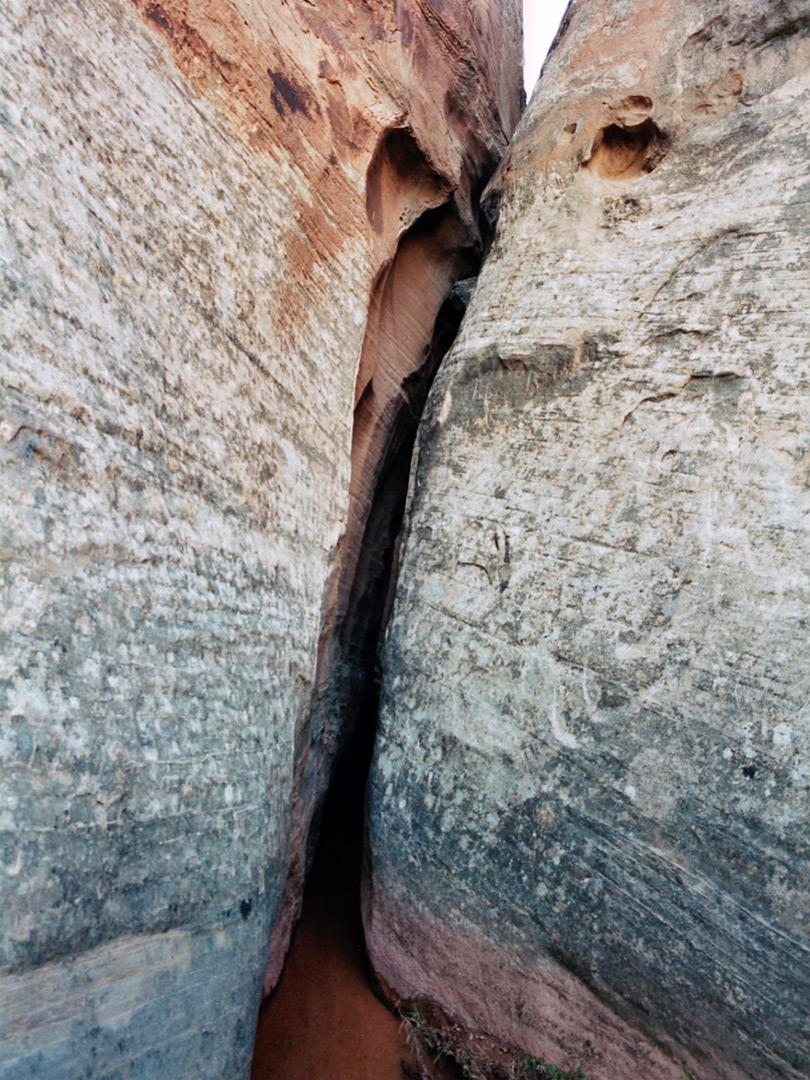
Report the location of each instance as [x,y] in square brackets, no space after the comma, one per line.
[590,800]
[186,262]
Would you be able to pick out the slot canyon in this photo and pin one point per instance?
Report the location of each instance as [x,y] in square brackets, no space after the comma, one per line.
[405,516]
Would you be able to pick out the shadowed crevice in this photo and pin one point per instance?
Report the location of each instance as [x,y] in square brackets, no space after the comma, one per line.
[412,319]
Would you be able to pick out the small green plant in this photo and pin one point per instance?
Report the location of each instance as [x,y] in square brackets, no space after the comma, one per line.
[418,1024]
[535,1069]
[471,1056]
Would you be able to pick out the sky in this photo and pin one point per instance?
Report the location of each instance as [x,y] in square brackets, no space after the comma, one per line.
[540,21]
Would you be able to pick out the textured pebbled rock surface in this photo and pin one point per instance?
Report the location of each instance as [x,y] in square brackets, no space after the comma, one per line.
[590,799]
[189,248]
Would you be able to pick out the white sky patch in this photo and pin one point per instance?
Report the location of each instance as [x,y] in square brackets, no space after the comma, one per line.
[541,18]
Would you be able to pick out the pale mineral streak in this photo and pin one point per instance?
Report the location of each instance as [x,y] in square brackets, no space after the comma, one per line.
[590,803]
[199,198]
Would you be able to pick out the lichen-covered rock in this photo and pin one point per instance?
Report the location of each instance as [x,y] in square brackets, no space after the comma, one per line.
[198,201]
[590,802]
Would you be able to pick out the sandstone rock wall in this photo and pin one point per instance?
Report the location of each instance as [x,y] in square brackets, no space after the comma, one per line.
[199,199]
[590,799]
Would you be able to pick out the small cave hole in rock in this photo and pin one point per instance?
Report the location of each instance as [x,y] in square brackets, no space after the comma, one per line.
[323,1018]
[626,152]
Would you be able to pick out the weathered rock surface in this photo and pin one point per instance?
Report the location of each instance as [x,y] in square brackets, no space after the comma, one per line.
[199,198]
[590,800]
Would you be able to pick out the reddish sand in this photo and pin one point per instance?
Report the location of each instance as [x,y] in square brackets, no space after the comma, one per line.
[323,1022]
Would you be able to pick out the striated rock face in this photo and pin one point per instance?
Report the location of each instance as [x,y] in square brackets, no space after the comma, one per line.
[203,202]
[590,799]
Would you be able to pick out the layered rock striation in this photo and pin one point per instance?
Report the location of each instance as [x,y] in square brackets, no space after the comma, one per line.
[590,798]
[204,201]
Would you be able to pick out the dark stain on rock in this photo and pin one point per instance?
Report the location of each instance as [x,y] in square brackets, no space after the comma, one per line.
[600,348]
[777,27]
[516,377]
[612,699]
[286,96]
[156,15]
[185,40]
[548,362]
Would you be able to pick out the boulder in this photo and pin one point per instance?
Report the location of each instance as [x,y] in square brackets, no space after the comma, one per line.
[203,201]
[589,805]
